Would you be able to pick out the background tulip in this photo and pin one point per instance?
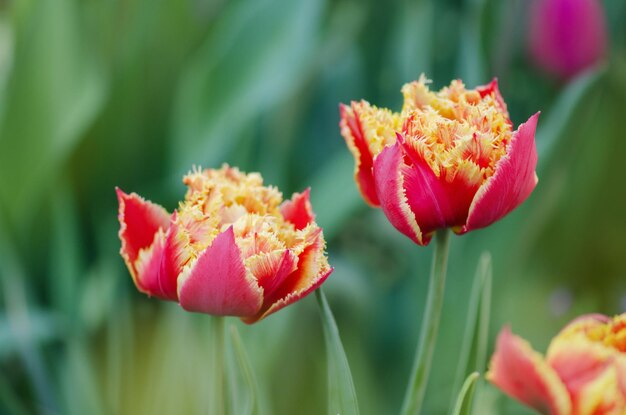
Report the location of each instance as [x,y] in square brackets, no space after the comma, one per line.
[231,248]
[583,373]
[566,37]
[449,159]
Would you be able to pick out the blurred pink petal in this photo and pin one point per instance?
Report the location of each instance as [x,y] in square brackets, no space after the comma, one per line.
[584,372]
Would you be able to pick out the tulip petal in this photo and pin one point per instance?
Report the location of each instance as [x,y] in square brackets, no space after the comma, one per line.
[588,371]
[389,169]
[492,88]
[148,266]
[513,181]
[620,365]
[272,268]
[176,254]
[584,323]
[140,220]
[311,272]
[436,203]
[352,131]
[298,210]
[523,374]
[218,283]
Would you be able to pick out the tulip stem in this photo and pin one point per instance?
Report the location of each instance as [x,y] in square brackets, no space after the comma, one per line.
[430,327]
[217,405]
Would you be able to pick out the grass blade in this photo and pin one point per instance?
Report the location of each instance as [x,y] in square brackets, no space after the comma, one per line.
[464,401]
[247,373]
[555,125]
[474,347]
[342,398]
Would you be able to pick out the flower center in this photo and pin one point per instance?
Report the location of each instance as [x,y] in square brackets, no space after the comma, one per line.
[612,334]
[217,199]
[460,133]
[456,131]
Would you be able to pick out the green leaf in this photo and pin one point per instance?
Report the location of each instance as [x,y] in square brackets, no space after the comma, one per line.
[464,401]
[471,57]
[10,402]
[218,368]
[251,404]
[255,56]
[22,330]
[44,327]
[334,194]
[66,266]
[411,47]
[53,92]
[342,398]
[79,380]
[474,347]
[554,127]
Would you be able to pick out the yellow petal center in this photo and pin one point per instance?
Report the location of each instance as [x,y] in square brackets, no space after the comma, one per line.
[455,130]
[218,199]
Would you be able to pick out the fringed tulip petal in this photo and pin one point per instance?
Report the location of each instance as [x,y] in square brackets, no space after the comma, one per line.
[218,283]
[176,254]
[491,89]
[148,268]
[312,271]
[523,374]
[140,220]
[272,268]
[389,169]
[513,181]
[367,130]
[298,210]
[292,297]
[352,131]
[436,203]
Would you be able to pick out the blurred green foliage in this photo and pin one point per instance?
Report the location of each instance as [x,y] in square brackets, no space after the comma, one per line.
[95,94]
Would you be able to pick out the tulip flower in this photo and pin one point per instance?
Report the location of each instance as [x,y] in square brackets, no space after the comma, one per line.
[566,36]
[449,159]
[231,248]
[583,372]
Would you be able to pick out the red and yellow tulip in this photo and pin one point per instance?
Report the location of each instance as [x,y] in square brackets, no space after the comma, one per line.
[233,247]
[583,372]
[449,159]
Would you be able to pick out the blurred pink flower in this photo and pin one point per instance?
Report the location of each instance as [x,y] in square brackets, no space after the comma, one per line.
[566,36]
[582,373]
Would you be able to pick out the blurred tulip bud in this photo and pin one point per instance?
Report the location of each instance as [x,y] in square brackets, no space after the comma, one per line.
[566,36]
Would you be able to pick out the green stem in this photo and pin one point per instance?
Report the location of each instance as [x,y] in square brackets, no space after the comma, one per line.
[217,405]
[430,327]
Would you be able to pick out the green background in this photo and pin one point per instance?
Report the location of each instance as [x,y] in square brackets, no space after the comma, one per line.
[96,94]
